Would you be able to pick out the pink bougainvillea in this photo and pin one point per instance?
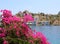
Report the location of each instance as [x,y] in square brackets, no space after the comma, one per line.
[6,13]
[16,31]
[28,17]
[5,42]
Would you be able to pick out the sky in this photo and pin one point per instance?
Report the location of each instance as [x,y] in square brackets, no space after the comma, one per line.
[35,6]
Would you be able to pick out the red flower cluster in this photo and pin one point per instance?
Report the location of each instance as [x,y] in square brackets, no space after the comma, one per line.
[14,27]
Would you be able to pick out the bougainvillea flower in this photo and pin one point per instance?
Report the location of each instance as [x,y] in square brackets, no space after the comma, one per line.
[28,18]
[2,35]
[42,37]
[5,42]
[6,13]
[14,27]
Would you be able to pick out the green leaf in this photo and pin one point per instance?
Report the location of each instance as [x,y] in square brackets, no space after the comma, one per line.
[1,40]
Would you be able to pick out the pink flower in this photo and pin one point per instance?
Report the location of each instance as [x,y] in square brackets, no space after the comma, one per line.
[6,20]
[18,25]
[39,35]
[11,19]
[6,13]
[5,42]
[2,35]
[34,36]
[17,33]
[42,37]
[28,18]
[1,29]
[17,19]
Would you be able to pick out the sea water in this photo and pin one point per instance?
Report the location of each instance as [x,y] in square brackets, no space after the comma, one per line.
[52,33]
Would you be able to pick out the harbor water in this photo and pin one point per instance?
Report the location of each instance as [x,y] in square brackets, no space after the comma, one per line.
[52,33]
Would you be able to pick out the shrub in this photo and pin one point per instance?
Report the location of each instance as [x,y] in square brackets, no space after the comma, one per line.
[14,30]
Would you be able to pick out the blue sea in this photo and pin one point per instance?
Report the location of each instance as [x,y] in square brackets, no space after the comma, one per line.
[52,33]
